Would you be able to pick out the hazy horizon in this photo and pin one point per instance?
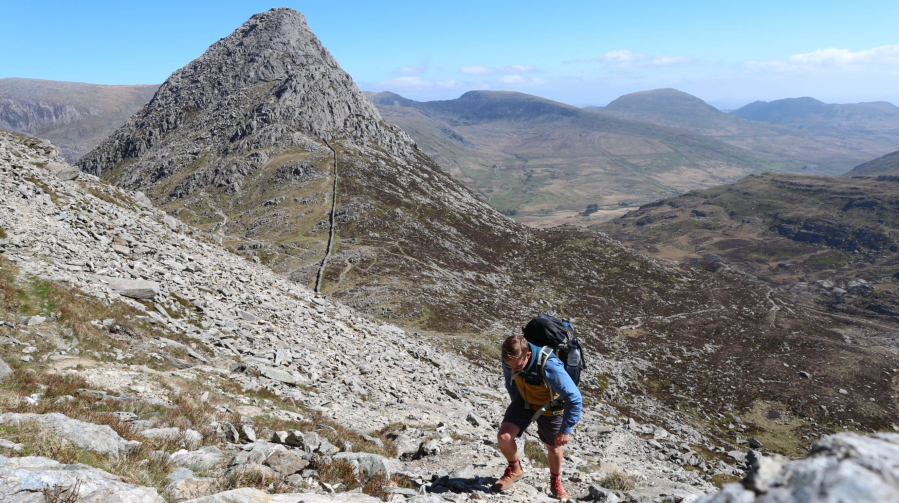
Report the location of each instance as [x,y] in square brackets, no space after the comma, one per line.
[581,54]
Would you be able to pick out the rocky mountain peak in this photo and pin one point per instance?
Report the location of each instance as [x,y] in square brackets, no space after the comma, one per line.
[269,87]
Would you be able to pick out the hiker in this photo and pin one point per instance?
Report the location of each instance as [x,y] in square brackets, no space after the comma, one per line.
[531,393]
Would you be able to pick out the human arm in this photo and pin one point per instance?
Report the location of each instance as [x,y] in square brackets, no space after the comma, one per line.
[560,382]
[509,383]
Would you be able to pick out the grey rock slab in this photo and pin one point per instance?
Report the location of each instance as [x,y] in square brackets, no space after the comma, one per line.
[132,288]
[287,462]
[368,464]
[476,420]
[309,441]
[246,433]
[5,370]
[841,467]
[242,495]
[277,375]
[161,433]
[24,479]
[68,174]
[200,460]
[94,437]
[189,487]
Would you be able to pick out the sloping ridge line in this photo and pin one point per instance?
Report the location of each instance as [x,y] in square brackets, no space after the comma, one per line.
[321,269]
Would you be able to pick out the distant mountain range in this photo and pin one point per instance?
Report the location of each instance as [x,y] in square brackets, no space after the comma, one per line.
[820,150]
[547,161]
[809,114]
[74,116]
[541,161]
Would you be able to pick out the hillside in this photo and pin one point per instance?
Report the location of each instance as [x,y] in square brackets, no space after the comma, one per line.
[815,151]
[544,162]
[834,240]
[668,107]
[266,144]
[886,165]
[151,363]
[72,115]
[142,363]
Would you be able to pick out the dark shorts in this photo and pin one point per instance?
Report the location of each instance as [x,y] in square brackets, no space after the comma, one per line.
[547,426]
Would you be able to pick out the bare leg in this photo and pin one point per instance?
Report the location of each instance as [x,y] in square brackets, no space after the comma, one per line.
[554,455]
[506,440]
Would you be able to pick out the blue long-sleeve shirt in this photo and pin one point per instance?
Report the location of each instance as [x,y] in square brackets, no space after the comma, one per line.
[558,380]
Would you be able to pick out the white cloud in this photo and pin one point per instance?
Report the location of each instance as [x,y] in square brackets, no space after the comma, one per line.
[832,57]
[477,70]
[625,58]
[620,56]
[522,68]
[520,80]
[505,70]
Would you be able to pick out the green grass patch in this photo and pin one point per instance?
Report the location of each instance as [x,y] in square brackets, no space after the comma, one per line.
[827,260]
[3,233]
[535,454]
[771,425]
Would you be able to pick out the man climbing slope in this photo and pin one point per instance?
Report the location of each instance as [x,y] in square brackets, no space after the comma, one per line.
[540,390]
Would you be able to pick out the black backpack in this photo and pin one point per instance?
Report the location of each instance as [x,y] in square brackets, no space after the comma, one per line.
[548,331]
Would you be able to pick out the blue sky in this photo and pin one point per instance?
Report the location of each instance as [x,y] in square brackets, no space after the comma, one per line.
[583,53]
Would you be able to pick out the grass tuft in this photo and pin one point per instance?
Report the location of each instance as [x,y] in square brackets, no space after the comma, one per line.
[618,481]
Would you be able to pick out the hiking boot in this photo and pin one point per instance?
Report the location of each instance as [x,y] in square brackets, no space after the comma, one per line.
[509,477]
[555,487]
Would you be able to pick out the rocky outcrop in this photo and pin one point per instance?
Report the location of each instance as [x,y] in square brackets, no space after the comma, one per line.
[24,480]
[268,88]
[844,467]
[93,437]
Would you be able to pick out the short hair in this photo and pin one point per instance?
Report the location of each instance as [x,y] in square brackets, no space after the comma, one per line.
[515,347]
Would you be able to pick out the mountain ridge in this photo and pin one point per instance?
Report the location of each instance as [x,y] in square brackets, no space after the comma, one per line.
[812,150]
[808,113]
[76,116]
[539,158]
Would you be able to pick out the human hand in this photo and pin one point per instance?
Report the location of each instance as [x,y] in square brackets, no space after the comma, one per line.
[562,439]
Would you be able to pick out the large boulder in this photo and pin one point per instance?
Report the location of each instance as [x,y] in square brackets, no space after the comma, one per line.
[242,495]
[99,438]
[368,464]
[132,288]
[278,375]
[840,468]
[200,460]
[23,480]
